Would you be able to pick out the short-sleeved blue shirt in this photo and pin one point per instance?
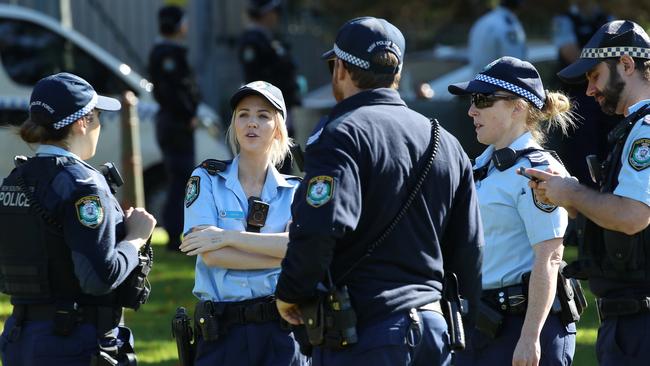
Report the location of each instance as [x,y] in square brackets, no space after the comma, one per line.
[513,221]
[221,202]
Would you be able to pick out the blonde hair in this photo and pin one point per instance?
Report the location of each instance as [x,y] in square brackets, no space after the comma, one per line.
[280,147]
[556,113]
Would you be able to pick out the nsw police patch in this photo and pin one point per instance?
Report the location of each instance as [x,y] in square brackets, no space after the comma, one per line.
[192,190]
[90,212]
[639,157]
[541,205]
[320,190]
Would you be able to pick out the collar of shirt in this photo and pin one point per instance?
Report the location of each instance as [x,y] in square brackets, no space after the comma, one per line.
[636,106]
[521,142]
[51,150]
[274,180]
[365,98]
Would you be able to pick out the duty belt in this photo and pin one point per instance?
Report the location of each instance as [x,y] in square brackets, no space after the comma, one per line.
[508,300]
[258,310]
[621,306]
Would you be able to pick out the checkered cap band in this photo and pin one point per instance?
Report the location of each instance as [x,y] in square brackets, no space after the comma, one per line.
[607,52]
[513,88]
[78,114]
[351,59]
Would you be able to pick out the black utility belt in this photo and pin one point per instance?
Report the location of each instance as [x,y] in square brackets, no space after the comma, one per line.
[621,306]
[213,319]
[511,300]
[67,316]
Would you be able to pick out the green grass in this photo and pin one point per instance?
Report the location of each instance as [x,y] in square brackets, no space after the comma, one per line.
[172,280]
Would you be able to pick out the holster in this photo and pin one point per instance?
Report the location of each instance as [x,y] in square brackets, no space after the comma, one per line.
[114,355]
[452,310]
[488,320]
[182,332]
[572,298]
[313,314]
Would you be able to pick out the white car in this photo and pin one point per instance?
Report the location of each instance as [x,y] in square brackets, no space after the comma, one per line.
[33,45]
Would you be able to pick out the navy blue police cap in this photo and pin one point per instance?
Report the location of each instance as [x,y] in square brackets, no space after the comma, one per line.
[360,38]
[266,90]
[614,39]
[263,6]
[169,18]
[64,98]
[506,74]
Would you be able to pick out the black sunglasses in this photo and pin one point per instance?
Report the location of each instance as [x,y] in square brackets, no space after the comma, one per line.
[481,101]
[330,63]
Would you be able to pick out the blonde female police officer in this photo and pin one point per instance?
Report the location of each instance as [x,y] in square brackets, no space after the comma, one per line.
[511,112]
[239,251]
[67,244]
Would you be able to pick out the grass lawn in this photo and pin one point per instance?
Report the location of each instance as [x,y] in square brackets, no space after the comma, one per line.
[172,280]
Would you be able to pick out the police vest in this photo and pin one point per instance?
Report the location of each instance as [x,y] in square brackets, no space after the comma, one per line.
[35,262]
[606,253]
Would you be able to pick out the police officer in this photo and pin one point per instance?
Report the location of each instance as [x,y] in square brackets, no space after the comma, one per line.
[523,237]
[264,56]
[177,94]
[362,162]
[612,235]
[237,213]
[571,31]
[495,34]
[67,245]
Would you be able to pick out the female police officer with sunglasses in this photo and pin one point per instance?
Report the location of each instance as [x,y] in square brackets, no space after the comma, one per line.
[238,214]
[523,237]
[66,245]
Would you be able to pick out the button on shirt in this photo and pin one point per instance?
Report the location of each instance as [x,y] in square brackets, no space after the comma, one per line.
[512,223]
[496,34]
[223,203]
[632,183]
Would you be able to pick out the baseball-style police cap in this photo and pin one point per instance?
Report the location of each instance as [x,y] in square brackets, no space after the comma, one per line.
[614,39]
[169,18]
[65,98]
[263,6]
[360,38]
[266,90]
[507,73]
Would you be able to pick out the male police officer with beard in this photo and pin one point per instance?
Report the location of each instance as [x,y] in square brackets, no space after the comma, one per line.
[612,233]
[379,256]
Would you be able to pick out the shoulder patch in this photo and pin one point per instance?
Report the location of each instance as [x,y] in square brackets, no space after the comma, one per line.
[192,190]
[639,157]
[541,205]
[320,190]
[90,212]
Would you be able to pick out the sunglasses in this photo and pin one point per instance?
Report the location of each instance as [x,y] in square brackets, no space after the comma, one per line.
[481,101]
[330,64]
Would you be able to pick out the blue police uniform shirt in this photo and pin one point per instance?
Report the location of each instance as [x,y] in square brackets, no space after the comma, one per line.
[634,177]
[92,223]
[360,164]
[221,202]
[513,221]
[497,33]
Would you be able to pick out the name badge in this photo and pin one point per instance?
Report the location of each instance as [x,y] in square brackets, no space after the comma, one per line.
[232,214]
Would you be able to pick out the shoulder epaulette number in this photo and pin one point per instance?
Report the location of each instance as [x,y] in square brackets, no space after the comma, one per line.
[214,166]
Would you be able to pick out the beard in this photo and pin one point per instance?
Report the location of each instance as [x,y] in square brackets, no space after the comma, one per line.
[611,93]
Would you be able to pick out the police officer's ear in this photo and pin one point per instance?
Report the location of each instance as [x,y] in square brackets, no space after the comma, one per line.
[520,107]
[628,64]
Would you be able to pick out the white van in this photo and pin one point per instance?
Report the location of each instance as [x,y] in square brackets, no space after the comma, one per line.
[33,45]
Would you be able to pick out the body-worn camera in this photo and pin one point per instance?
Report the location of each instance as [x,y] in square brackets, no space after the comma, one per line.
[112,176]
[257,212]
[330,320]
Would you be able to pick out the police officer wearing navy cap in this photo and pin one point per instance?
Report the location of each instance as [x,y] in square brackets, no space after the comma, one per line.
[523,237]
[68,247]
[236,217]
[612,233]
[263,55]
[178,96]
[378,255]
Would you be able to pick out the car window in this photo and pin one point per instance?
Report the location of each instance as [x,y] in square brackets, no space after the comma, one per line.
[30,52]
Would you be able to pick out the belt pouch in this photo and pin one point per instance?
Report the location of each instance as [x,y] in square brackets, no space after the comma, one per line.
[65,319]
[489,321]
[207,320]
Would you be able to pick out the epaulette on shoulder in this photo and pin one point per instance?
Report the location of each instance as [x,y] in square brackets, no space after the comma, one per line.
[214,166]
[538,158]
[289,176]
